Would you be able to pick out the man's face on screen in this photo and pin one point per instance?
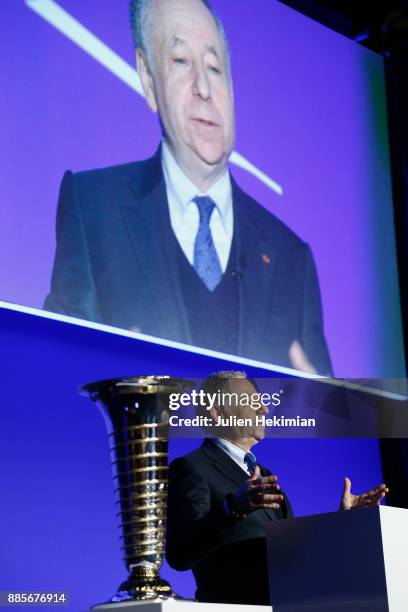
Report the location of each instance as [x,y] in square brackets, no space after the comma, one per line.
[191,82]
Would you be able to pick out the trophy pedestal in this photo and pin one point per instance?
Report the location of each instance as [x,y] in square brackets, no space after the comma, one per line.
[177,605]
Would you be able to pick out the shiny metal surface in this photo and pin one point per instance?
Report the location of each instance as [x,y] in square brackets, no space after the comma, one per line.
[136,414]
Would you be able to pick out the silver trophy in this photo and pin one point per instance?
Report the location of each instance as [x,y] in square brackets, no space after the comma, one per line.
[136,413]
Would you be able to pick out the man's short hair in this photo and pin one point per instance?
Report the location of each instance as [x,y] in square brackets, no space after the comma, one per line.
[141,22]
[220,382]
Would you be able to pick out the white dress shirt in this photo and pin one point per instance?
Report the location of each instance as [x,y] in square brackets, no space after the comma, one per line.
[236,453]
[184,216]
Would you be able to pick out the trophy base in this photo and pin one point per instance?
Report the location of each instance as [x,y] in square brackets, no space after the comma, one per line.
[143,584]
[174,605]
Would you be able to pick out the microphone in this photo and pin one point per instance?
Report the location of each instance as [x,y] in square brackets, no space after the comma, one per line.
[239,271]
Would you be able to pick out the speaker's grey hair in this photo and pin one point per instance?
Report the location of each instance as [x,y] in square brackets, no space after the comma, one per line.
[219,382]
[141,24]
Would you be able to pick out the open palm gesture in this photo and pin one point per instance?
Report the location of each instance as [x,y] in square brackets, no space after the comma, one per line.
[373,497]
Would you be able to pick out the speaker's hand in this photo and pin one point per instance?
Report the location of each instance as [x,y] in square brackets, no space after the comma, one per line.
[257,493]
[373,497]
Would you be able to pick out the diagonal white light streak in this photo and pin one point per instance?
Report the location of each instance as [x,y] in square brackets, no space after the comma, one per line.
[81,36]
[241,161]
[91,44]
[358,385]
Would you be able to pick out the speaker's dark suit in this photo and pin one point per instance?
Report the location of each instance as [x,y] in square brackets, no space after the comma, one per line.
[115,263]
[227,556]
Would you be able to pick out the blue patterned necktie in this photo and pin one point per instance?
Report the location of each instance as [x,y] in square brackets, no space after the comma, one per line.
[250,460]
[206,261]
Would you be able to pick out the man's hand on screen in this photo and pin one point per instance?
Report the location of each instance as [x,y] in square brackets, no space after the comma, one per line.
[299,360]
[373,497]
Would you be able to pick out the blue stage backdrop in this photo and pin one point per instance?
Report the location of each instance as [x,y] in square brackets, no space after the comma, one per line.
[58,529]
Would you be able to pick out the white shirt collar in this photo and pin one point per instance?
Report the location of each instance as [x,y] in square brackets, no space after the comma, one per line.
[235,452]
[183,191]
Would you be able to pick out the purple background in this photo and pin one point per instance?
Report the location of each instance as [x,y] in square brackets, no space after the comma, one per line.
[310,112]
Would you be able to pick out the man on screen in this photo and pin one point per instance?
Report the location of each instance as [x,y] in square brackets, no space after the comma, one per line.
[220,502]
[171,246]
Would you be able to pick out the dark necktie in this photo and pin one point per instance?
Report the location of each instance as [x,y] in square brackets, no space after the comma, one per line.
[206,261]
[250,460]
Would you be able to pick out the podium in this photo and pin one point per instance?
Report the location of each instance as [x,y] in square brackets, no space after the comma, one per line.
[353,560]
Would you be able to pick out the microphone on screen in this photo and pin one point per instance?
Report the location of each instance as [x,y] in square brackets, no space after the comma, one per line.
[239,271]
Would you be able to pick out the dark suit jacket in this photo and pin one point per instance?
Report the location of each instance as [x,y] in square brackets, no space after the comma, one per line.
[115,263]
[227,556]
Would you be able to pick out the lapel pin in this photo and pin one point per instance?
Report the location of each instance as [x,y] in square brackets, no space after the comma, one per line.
[266,259]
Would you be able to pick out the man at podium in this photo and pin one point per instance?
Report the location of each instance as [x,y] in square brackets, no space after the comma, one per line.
[221,499]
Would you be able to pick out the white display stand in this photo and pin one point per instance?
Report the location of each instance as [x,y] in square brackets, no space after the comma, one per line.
[355,560]
[171,605]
